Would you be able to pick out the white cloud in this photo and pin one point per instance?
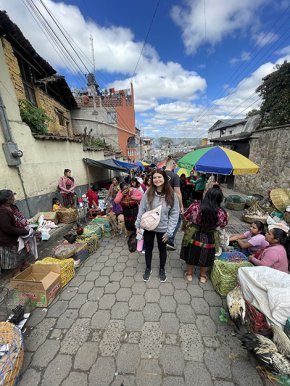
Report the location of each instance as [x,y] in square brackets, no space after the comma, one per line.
[245,57]
[262,39]
[209,22]
[284,51]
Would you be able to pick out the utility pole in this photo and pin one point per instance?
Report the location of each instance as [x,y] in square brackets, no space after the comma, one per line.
[93,87]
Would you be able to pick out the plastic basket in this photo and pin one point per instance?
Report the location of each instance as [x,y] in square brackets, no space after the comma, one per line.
[11,362]
[67,271]
[91,241]
[224,275]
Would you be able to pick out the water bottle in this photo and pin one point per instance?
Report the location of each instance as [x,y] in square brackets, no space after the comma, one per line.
[140,245]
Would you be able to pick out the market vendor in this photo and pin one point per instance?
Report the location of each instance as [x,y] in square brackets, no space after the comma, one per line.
[12,225]
[93,198]
[277,254]
[252,240]
[66,186]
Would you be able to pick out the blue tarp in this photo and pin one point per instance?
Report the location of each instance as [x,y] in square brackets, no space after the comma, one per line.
[125,165]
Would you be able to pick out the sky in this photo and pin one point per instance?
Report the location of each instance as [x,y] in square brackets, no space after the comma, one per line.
[191,62]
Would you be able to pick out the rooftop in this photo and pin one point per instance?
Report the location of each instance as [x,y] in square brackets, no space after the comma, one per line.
[223,123]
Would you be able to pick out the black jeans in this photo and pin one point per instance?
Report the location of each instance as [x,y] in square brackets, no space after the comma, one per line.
[149,244]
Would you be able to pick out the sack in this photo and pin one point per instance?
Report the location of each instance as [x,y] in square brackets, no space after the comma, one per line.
[132,243]
[151,219]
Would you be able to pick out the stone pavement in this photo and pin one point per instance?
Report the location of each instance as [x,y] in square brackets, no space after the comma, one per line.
[108,327]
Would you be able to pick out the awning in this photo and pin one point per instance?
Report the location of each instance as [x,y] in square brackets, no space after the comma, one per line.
[111,164]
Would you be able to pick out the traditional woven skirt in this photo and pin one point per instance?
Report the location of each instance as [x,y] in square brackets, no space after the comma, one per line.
[200,249]
[10,258]
[68,200]
[130,216]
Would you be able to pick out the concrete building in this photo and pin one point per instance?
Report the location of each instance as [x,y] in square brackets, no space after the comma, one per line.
[31,163]
[134,147]
[110,117]
[146,149]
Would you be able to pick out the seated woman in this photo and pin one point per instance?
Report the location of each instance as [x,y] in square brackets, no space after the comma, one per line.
[252,240]
[12,225]
[277,254]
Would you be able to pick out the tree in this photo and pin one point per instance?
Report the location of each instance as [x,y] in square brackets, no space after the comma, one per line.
[253,112]
[275,92]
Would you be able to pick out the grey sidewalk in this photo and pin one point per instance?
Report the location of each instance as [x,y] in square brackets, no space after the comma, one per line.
[108,327]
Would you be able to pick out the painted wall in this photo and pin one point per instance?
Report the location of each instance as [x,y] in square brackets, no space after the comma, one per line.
[233,130]
[269,148]
[49,104]
[43,161]
[84,117]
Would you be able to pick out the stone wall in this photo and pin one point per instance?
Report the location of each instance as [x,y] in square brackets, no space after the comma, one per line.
[270,149]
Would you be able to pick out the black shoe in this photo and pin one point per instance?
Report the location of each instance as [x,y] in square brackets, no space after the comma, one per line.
[170,247]
[162,275]
[147,274]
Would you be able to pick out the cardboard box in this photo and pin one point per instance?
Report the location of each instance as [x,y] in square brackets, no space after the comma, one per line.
[40,283]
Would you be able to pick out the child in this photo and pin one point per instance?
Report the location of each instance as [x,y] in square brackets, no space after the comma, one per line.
[55,204]
[253,239]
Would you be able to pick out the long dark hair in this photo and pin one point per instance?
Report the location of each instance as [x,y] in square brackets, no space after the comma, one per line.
[208,215]
[283,239]
[5,195]
[260,226]
[167,190]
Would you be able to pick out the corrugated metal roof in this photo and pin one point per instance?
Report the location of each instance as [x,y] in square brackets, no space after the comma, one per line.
[59,89]
[223,123]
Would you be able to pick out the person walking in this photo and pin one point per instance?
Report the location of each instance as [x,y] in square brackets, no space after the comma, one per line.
[198,244]
[174,181]
[159,193]
[66,186]
[129,198]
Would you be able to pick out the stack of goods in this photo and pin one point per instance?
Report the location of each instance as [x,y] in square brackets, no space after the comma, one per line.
[224,274]
[91,242]
[93,229]
[235,202]
[255,213]
[82,252]
[11,353]
[67,271]
[67,215]
[105,223]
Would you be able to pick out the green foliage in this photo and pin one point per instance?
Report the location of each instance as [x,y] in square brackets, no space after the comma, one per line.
[275,92]
[253,112]
[34,117]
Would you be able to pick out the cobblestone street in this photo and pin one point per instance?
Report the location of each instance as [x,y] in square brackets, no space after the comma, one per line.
[108,327]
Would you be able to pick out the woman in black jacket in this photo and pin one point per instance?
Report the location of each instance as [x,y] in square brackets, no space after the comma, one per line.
[12,225]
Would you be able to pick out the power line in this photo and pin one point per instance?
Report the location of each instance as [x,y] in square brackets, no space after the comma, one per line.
[146,38]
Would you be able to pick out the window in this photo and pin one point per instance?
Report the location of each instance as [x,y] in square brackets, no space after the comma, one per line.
[231,131]
[112,117]
[28,77]
[60,116]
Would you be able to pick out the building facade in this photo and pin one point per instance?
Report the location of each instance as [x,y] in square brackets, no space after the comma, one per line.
[110,116]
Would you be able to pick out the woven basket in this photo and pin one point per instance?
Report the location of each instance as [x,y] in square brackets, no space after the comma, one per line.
[67,271]
[91,241]
[67,215]
[256,320]
[224,275]
[251,218]
[11,362]
[235,202]
[64,251]
[280,198]
[255,213]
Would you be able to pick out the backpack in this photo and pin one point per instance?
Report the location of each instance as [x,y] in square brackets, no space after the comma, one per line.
[151,219]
